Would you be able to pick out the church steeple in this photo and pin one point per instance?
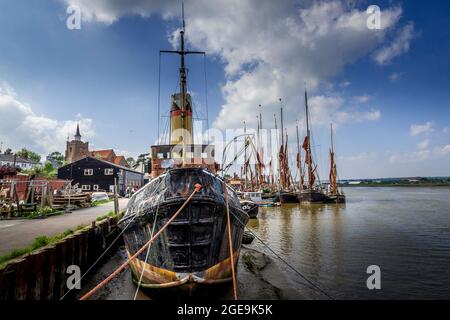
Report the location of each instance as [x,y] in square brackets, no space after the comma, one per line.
[77,134]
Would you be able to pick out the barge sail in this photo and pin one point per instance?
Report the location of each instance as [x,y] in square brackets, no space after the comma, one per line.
[193,249]
[312,193]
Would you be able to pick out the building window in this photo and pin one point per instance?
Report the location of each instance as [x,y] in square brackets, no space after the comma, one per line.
[95,187]
[85,187]
[88,172]
[109,172]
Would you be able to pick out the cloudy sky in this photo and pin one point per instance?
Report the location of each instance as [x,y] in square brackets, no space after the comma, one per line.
[386,90]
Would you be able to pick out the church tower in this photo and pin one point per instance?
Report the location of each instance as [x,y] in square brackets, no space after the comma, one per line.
[76,149]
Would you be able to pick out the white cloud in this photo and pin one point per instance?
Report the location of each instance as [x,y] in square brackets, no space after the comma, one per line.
[361,99]
[446,130]
[326,110]
[416,156]
[445,150]
[424,144]
[269,48]
[395,76]
[399,45]
[22,127]
[360,157]
[417,129]
[345,84]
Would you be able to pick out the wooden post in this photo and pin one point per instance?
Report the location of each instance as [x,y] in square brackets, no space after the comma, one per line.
[116,200]
[43,189]
[49,274]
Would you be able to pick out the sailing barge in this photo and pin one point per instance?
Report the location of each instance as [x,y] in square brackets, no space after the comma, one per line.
[312,192]
[334,194]
[194,249]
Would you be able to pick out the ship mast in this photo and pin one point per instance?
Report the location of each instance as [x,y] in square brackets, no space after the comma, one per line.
[277,141]
[245,156]
[333,173]
[299,161]
[186,114]
[308,145]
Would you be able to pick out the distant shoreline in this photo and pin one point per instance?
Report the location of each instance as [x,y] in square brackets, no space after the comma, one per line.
[405,185]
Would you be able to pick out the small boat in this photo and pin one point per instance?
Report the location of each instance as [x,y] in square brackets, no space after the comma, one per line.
[338,198]
[255,197]
[270,196]
[250,208]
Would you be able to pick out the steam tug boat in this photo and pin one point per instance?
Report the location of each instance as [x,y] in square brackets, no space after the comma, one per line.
[194,249]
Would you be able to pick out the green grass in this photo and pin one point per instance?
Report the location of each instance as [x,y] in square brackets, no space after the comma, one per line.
[43,212]
[38,243]
[43,241]
[99,202]
[110,214]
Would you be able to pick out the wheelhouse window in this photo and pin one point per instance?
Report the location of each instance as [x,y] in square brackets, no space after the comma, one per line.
[109,172]
[88,172]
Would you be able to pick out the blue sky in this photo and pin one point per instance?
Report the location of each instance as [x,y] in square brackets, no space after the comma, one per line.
[387,92]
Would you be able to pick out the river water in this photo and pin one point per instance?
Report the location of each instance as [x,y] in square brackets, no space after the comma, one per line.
[404,231]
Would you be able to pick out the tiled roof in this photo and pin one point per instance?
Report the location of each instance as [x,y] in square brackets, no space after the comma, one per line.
[119,159]
[104,154]
[10,158]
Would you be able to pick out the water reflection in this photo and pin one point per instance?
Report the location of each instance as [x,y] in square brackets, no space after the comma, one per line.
[398,229]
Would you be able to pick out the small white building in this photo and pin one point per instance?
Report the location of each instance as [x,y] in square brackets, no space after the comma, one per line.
[10,160]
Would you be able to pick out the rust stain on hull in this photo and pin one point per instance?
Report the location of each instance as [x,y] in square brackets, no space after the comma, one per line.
[154,277]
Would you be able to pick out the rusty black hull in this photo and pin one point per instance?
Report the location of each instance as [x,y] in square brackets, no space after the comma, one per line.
[338,198]
[194,249]
[312,196]
[288,197]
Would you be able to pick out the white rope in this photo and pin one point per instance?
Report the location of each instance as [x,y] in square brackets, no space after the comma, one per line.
[148,252]
[106,250]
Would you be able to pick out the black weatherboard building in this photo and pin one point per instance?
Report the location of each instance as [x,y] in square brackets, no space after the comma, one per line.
[94,174]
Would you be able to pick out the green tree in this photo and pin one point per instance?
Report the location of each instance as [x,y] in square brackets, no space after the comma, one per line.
[131,161]
[57,157]
[144,158]
[8,151]
[28,154]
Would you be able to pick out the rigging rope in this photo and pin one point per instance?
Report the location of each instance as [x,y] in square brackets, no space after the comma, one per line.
[148,252]
[126,263]
[159,95]
[230,242]
[109,247]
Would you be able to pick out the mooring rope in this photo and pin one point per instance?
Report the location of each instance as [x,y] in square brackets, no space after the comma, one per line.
[314,286]
[230,243]
[148,252]
[198,187]
[109,247]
